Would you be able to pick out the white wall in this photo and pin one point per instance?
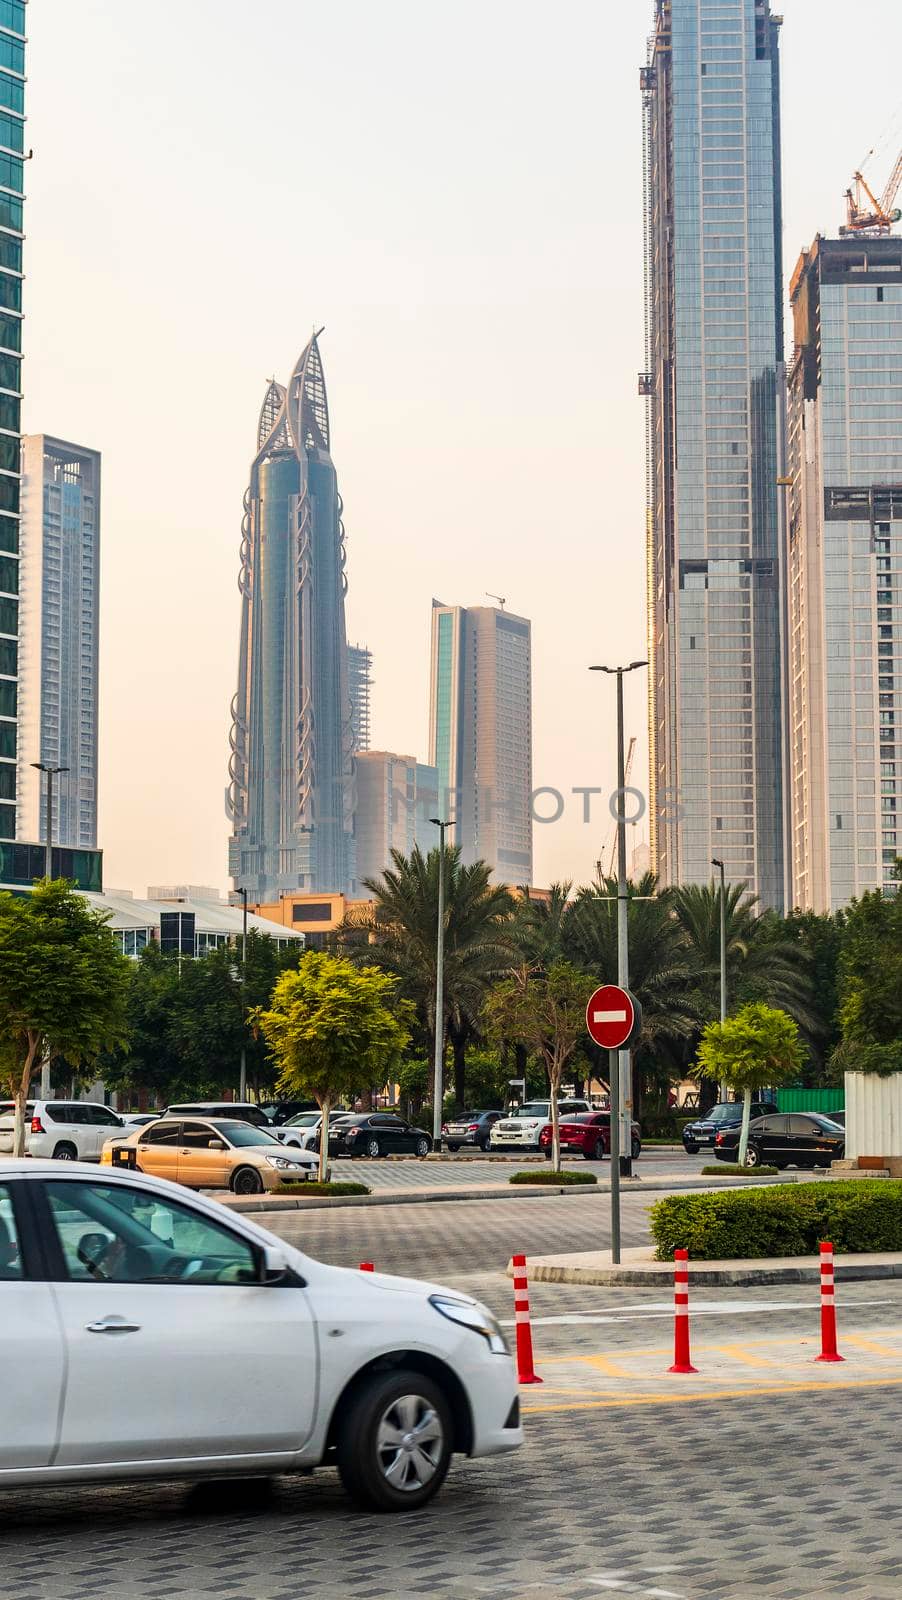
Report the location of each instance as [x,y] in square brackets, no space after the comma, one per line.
[873,1114]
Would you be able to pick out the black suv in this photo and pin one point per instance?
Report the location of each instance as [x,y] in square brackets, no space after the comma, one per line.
[727,1114]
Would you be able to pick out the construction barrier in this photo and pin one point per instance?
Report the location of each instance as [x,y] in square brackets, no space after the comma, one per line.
[526,1372]
[367,1266]
[681,1361]
[829,1351]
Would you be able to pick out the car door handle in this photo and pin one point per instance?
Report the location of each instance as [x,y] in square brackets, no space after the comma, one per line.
[113,1325]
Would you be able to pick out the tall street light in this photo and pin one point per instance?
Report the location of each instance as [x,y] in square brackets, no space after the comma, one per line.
[622,1096]
[437,1085]
[723,952]
[52,772]
[242,1077]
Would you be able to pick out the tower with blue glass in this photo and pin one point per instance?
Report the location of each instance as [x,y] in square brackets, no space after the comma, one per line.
[713,383]
[290,795]
[12,143]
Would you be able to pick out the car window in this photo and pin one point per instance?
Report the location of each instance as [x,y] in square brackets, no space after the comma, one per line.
[803,1126]
[71,1113]
[100,1117]
[116,1233]
[304,1119]
[197,1135]
[10,1258]
[771,1125]
[243,1135]
[160,1133]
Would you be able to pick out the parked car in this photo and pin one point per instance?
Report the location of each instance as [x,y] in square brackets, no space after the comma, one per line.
[301,1129]
[377,1133]
[801,1139]
[278,1112]
[726,1114]
[471,1127]
[337,1119]
[589,1135]
[64,1130]
[212,1153]
[139,1119]
[839,1117]
[521,1130]
[116,1283]
[234,1110]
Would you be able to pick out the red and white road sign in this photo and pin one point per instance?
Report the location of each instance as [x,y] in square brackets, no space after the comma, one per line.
[611,1016]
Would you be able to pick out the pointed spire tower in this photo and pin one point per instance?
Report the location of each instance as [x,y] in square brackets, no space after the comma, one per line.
[290,791]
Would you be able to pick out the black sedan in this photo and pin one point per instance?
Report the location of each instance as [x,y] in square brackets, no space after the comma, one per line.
[378,1133]
[471,1127]
[727,1114]
[802,1139]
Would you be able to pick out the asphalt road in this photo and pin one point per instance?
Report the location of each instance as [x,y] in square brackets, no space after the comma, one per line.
[785,1495]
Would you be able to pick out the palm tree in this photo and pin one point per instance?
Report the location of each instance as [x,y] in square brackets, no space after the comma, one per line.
[539,927]
[763,962]
[477,945]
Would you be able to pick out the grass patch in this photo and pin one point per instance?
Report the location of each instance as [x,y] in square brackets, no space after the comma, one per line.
[780,1220]
[733,1170]
[315,1187]
[556,1179]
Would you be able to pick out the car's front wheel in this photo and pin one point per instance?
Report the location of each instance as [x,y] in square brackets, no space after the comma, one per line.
[373,1148]
[65,1152]
[393,1445]
[691,1149]
[246,1180]
[422,1146]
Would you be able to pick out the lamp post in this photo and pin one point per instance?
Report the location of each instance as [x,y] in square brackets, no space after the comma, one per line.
[437,1084]
[723,951]
[52,772]
[622,1095]
[242,1076]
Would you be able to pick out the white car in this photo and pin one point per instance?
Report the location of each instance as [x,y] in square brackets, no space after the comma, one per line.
[65,1130]
[113,1282]
[303,1130]
[521,1130]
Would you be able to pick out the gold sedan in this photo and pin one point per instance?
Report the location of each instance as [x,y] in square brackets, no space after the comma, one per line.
[211,1153]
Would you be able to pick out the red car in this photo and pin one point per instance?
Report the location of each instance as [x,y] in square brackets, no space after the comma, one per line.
[589,1133]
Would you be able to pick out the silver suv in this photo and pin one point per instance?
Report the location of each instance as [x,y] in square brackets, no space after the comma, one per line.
[66,1130]
[522,1130]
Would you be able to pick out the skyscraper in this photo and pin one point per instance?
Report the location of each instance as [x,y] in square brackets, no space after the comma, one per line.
[713,384]
[396,796]
[59,634]
[290,797]
[360,667]
[480,734]
[845,569]
[12,108]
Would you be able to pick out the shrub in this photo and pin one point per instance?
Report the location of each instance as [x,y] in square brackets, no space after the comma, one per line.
[558,1179]
[732,1169]
[323,1188]
[785,1220]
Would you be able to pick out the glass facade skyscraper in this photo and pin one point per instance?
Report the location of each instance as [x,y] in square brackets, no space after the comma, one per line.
[59,637]
[713,387]
[12,144]
[290,796]
[845,570]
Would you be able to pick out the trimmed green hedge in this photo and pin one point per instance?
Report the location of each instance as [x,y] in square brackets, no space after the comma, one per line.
[783,1220]
[559,1180]
[732,1169]
[315,1187]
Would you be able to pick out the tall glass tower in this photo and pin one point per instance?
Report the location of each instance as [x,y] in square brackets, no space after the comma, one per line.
[714,389]
[290,798]
[12,108]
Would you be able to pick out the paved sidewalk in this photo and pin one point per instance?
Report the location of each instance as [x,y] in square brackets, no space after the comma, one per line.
[638,1266]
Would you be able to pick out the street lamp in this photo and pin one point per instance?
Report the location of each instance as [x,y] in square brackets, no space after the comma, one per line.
[723,952]
[622,1093]
[437,1086]
[52,772]
[242,1076]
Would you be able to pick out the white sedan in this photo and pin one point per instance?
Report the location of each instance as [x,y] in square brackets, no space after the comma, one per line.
[118,1281]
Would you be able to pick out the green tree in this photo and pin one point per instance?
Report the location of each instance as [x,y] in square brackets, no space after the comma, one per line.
[477,941]
[758,1048]
[821,936]
[870,987]
[763,961]
[63,985]
[546,1011]
[332,1027]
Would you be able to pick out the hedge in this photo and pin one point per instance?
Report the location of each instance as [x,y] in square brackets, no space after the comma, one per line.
[315,1187]
[782,1220]
[732,1169]
[560,1180]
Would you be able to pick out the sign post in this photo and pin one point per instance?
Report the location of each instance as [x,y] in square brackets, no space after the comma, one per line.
[613,1019]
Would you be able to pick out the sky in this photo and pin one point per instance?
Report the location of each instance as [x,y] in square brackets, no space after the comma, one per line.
[454,193]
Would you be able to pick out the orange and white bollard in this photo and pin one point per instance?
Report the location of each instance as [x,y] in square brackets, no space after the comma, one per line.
[526,1372]
[681,1361]
[829,1351]
[367,1266]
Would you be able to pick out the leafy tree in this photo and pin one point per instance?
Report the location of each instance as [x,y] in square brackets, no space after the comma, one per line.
[821,936]
[756,1049]
[477,942]
[63,985]
[870,987]
[331,1027]
[546,1011]
[763,963]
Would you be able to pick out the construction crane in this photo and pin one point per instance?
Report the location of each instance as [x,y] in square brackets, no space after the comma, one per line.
[612,836]
[864,212]
[501,598]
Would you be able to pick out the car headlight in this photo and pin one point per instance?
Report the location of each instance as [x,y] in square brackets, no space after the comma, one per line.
[284,1163]
[475,1316]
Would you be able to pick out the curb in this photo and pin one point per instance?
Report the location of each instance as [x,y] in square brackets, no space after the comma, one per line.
[701,1275]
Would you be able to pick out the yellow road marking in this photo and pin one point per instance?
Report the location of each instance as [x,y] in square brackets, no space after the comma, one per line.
[747,1344]
[737,1352]
[614,1369]
[878,1349]
[693,1395]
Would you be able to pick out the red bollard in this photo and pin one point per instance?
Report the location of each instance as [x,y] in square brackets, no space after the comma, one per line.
[681,1361]
[829,1351]
[526,1372]
[367,1266]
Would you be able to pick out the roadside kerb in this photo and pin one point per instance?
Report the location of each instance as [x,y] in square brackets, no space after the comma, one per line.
[409,1197]
[639,1268]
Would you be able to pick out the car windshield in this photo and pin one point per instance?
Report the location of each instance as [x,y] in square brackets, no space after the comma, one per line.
[241,1134]
[535,1108]
[723,1114]
[828,1125]
[304,1119]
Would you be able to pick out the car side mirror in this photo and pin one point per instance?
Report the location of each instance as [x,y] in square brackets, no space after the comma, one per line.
[216,1144]
[274,1266]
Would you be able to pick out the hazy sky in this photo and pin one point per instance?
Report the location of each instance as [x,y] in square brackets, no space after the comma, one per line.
[455,193]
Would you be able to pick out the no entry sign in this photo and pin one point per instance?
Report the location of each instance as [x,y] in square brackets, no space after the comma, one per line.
[613,1017]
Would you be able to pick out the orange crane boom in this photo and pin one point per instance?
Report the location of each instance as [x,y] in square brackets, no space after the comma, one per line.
[864,212]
